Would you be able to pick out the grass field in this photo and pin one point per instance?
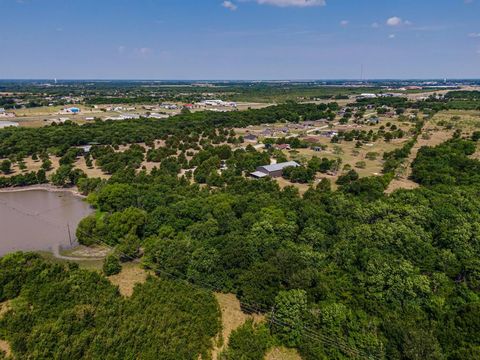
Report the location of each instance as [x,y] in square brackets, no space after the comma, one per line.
[5,348]
[282,353]
[432,135]
[465,120]
[131,275]
[4,345]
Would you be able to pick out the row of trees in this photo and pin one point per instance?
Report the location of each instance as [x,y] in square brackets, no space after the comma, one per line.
[57,139]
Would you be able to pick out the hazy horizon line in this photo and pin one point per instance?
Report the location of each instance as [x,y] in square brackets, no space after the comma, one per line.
[242,80]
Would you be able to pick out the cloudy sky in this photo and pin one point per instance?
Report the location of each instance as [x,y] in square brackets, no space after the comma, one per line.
[239,39]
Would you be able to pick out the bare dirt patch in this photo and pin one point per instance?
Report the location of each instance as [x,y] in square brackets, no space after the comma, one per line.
[232,318]
[131,274]
[94,251]
[4,307]
[282,353]
[5,347]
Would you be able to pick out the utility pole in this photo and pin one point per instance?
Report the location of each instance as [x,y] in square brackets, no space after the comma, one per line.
[272,318]
[69,236]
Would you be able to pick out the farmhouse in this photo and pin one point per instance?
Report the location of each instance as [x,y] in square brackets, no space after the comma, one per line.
[282,147]
[274,170]
[250,137]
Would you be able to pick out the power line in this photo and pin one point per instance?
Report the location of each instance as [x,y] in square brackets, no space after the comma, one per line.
[252,307]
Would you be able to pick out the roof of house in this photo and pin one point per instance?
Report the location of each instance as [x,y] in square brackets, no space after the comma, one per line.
[258,174]
[280,166]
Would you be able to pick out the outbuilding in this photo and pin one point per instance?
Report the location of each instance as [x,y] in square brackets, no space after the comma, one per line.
[250,137]
[273,170]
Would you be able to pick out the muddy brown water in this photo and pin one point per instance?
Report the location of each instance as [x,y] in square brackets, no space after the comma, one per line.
[39,220]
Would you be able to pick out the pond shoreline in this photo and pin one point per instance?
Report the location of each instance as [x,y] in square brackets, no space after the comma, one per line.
[40,218]
[45,187]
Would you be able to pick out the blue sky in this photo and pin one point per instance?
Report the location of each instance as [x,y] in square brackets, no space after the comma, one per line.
[239,39]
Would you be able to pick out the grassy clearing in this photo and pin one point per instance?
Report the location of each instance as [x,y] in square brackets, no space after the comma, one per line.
[4,345]
[431,135]
[93,172]
[282,353]
[465,120]
[131,274]
[232,318]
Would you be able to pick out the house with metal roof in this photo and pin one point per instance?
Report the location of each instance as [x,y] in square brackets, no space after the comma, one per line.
[273,170]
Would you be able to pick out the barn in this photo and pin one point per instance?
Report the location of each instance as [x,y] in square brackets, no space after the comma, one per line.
[274,170]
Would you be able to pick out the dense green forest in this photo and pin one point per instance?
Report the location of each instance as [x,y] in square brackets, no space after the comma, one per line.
[353,273]
[392,276]
[62,312]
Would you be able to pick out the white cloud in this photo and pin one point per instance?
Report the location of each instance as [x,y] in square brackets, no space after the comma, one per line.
[121,49]
[391,36]
[297,3]
[229,5]
[397,21]
[375,25]
[344,23]
[394,21]
[474,35]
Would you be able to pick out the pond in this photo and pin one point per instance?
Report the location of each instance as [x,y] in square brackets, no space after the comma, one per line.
[39,220]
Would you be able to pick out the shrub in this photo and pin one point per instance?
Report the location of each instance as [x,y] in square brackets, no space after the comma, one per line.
[111,265]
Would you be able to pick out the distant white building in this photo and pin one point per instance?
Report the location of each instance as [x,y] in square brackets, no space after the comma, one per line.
[5,124]
[86,148]
[219,103]
[124,117]
[158,116]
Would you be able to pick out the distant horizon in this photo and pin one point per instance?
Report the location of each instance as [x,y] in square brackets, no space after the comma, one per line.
[241,80]
[240,39]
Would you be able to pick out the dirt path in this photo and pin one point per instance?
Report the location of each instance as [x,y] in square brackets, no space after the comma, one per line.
[82,254]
